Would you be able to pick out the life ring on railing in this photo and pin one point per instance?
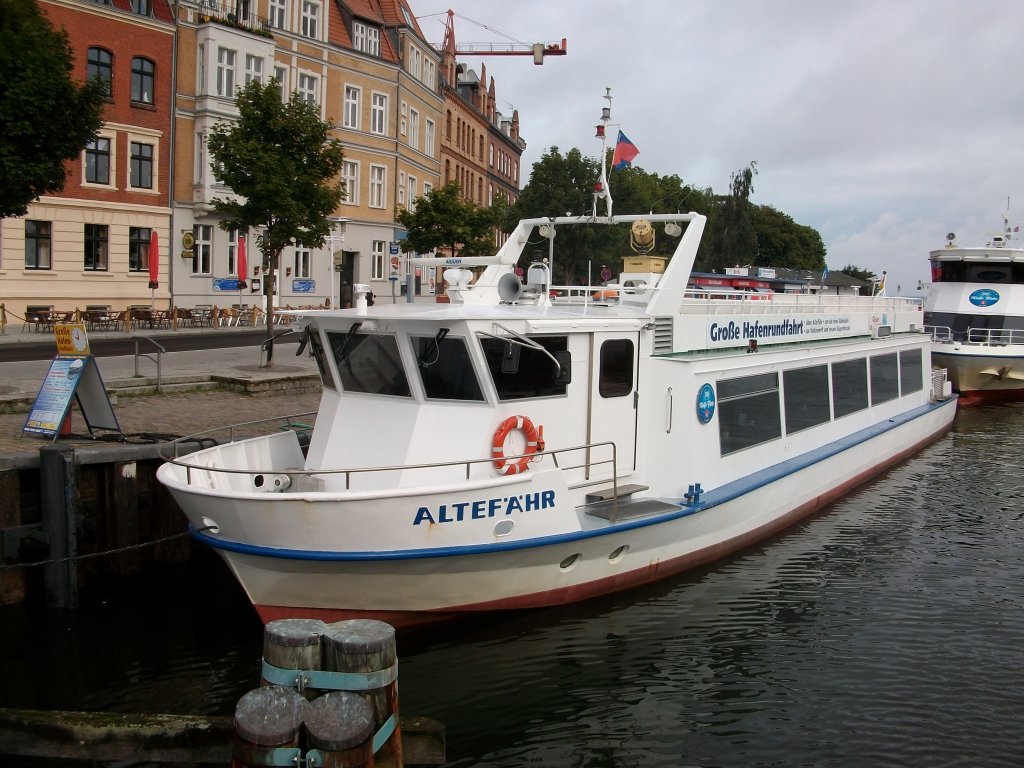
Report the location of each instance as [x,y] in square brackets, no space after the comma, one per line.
[534,442]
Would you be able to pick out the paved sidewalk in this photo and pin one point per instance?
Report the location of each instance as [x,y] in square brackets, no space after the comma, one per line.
[154,416]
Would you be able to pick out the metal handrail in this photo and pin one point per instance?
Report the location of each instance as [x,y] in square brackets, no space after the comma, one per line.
[169,453]
[158,361]
[270,341]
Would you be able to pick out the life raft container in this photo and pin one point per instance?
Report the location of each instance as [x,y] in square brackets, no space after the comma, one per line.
[534,442]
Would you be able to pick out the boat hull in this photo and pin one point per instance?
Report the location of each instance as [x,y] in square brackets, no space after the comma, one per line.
[982,375]
[564,563]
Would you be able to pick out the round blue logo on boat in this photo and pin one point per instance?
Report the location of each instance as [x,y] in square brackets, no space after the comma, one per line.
[706,403]
[984,297]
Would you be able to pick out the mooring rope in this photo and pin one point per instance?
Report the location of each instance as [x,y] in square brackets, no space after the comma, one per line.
[108,552]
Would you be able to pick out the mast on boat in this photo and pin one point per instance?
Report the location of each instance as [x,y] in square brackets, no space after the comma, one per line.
[601,189]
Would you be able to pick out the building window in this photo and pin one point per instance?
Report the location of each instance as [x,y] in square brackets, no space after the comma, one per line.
[232,249]
[301,261]
[401,187]
[281,75]
[414,129]
[379,114]
[138,249]
[99,65]
[253,69]
[142,165]
[310,19]
[377,259]
[350,118]
[378,186]
[412,193]
[429,68]
[428,139]
[226,72]
[142,7]
[403,118]
[97,161]
[96,247]
[308,88]
[202,250]
[366,38]
[350,176]
[37,244]
[278,13]
[142,80]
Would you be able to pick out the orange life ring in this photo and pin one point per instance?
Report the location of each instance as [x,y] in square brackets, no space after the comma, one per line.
[534,443]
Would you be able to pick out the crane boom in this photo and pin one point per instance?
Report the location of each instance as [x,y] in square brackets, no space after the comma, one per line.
[538,50]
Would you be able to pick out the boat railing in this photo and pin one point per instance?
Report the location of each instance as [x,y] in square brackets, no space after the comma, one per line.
[939,333]
[589,459]
[730,301]
[995,337]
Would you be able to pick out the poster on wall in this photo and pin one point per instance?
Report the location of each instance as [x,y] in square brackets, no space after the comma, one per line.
[303,286]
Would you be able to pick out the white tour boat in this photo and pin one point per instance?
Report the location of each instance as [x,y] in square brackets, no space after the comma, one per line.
[975,314]
[512,450]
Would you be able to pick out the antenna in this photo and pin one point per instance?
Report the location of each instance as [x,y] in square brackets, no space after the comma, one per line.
[601,186]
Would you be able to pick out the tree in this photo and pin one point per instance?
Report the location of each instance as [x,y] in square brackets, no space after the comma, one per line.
[444,220]
[781,242]
[45,116]
[281,162]
[732,234]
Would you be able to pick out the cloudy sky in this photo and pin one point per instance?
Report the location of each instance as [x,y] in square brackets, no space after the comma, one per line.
[883,124]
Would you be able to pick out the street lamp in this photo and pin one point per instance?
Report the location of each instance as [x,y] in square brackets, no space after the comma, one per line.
[333,265]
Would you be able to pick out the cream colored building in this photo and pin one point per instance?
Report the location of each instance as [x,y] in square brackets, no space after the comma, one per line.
[374,77]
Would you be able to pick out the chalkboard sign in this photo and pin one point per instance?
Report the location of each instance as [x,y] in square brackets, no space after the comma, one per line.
[71,377]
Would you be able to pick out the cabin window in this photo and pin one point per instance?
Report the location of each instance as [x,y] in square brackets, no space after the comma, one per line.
[748,411]
[911,371]
[806,397]
[849,387]
[616,374]
[369,364]
[885,383]
[519,372]
[317,348]
[445,368]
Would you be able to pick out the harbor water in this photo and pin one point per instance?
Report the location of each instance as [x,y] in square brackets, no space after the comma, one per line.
[888,630]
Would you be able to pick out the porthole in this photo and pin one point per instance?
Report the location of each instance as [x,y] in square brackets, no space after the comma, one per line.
[258,481]
[569,562]
[617,553]
[503,527]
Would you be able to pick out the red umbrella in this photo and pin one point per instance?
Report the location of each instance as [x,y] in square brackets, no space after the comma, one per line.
[154,260]
[242,266]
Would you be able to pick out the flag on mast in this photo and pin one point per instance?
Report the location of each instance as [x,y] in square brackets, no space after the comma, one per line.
[625,152]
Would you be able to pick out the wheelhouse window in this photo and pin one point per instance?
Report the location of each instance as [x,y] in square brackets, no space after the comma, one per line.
[143,71]
[369,364]
[616,374]
[38,242]
[99,65]
[849,387]
[316,346]
[911,371]
[520,372]
[806,399]
[748,411]
[95,248]
[885,384]
[445,368]
[138,249]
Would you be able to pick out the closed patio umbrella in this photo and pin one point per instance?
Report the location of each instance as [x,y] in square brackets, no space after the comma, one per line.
[242,265]
[154,265]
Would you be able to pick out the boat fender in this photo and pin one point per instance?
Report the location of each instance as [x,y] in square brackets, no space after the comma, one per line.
[534,442]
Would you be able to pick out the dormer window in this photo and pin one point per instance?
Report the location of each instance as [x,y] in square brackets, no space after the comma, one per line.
[366,38]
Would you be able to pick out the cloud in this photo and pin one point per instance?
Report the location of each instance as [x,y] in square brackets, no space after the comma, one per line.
[882,125]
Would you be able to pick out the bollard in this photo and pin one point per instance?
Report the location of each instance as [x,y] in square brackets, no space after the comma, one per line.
[268,723]
[58,480]
[294,644]
[339,727]
[368,646]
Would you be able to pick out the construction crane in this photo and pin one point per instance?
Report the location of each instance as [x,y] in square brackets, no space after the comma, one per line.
[538,50]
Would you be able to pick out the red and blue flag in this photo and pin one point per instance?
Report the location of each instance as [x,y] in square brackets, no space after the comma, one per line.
[624,153]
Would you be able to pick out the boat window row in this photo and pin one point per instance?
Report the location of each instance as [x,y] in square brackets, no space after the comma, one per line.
[961,325]
[755,409]
[519,368]
[973,272]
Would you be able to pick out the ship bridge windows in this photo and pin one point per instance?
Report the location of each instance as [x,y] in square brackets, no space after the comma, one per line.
[445,367]
[977,272]
[520,372]
[317,348]
[369,363]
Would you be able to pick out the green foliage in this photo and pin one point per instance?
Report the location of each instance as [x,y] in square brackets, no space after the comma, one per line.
[860,273]
[781,242]
[444,221]
[280,159]
[45,116]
